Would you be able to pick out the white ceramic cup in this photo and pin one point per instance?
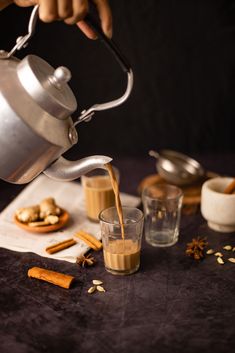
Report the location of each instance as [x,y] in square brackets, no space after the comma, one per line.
[216,207]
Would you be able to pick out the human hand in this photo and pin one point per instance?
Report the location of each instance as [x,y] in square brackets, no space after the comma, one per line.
[71,12]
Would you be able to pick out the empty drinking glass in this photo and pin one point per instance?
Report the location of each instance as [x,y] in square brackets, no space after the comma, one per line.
[162,209]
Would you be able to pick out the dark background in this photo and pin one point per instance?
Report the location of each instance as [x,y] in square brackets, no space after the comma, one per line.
[182,53]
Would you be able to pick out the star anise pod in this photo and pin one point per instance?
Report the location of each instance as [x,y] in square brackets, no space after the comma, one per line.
[86,260]
[196,247]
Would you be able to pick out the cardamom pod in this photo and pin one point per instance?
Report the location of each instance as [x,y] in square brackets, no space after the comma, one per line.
[227,247]
[100,289]
[219,254]
[220,260]
[91,290]
[210,251]
[97,282]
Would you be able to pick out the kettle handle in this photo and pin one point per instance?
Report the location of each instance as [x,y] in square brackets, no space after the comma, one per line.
[22,41]
[85,115]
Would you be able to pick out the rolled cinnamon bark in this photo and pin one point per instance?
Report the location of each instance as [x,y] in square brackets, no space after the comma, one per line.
[60,246]
[89,239]
[59,279]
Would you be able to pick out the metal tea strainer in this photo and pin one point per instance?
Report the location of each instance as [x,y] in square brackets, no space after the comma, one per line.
[177,168]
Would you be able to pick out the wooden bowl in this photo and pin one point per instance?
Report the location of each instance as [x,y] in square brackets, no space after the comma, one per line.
[63,219]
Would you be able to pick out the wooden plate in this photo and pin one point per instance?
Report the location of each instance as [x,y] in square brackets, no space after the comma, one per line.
[63,219]
[192,193]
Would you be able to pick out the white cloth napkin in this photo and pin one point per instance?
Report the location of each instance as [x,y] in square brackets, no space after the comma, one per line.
[69,196]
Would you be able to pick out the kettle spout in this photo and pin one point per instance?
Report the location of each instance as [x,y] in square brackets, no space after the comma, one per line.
[65,170]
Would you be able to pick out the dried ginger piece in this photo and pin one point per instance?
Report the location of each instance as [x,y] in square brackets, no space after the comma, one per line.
[48,207]
[28,214]
[51,219]
[47,212]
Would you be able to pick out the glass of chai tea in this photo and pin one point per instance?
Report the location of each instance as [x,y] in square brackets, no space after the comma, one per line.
[98,191]
[121,242]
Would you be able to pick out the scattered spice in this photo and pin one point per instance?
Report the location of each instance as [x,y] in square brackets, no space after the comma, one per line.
[196,247]
[97,287]
[86,260]
[219,254]
[227,247]
[220,260]
[91,289]
[97,282]
[100,289]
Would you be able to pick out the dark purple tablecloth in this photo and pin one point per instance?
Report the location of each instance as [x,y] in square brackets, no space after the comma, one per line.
[172,304]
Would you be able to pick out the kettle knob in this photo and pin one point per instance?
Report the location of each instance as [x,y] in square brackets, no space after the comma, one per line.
[61,76]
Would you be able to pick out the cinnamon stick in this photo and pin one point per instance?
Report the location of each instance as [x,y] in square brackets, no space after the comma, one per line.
[230,188]
[59,279]
[60,246]
[89,239]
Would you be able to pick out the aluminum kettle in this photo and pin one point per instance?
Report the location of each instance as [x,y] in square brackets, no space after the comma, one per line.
[36,104]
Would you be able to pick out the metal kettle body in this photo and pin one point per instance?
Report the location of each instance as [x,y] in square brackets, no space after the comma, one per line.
[31,138]
[36,127]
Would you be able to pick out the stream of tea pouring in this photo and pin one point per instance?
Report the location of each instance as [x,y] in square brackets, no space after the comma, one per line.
[118,203]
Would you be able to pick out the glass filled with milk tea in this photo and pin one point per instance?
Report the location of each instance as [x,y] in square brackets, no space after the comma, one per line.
[98,192]
[121,242]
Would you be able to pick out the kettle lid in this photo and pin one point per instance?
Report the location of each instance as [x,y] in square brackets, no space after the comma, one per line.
[47,86]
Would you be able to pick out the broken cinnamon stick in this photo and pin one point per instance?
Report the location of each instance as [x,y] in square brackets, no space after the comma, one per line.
[230,188]
[59,279]
[89,239]
[60,246]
